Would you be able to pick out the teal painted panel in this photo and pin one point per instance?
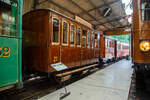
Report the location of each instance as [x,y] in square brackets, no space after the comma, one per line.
[8,61]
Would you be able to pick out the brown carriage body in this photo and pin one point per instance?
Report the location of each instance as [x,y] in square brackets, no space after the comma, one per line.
[140,32]
[40,50]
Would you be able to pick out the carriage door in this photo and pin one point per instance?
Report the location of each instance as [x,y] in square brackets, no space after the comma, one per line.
[83,49]
[115,48]
[55,40]
[64,50]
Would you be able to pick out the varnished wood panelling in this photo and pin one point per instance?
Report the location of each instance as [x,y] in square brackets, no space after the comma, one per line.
[38,25]
[140,31]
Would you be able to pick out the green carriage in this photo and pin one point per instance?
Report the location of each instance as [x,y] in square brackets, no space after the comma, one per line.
[10,43]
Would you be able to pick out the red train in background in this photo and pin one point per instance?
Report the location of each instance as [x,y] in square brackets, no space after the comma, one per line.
[115,50]
[122,49]
[110,48]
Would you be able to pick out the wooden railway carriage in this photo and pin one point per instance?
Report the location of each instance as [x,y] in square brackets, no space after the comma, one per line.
[141,39]
[50,37]
[141,33]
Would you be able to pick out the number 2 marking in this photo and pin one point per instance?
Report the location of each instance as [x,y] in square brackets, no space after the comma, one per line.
[6,52]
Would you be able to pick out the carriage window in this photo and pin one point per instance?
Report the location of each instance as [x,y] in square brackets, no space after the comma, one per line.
[65,32]
[110,44]
[8,18]
[55,30]
[98,40]
[145,7]
[92,40]
[72,34]
[120,46]
[88,39]
[96,44]
[83,42]
[105,42]
[84,38]
[78,36]
[113,43]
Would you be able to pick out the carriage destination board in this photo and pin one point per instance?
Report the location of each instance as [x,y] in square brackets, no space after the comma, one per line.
[59,66]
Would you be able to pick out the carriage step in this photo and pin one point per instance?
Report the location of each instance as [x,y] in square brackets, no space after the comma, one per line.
[76,70]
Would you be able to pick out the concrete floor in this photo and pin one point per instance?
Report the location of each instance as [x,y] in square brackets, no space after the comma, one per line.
[110,83]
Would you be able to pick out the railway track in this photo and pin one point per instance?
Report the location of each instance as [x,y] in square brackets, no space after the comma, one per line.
[31,91]
[139,89]
[35,89]
[38,88]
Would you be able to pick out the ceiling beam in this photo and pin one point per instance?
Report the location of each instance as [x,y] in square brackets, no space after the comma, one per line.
[117,32]
[98,10]
[110,8]
[116,19]
[63,8]
[118,28]
[42,2]
[95,8]
[82,10]
[67,10]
